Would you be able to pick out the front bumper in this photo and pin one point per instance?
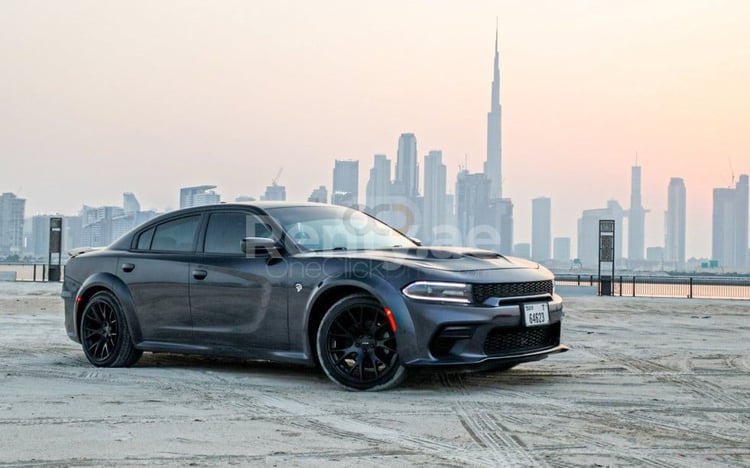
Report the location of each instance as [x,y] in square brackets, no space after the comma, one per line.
[450,335]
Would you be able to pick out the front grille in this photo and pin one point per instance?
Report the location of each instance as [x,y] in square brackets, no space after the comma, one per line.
[483,291]
[513,340]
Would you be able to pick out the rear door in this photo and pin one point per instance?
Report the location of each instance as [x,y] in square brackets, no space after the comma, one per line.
[157,273]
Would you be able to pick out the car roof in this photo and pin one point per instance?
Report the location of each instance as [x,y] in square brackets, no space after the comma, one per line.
[126,240]
[271,204]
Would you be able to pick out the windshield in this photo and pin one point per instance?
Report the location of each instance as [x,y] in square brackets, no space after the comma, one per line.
[336,228]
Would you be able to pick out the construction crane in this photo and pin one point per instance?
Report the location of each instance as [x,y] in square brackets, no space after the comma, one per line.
[275,179]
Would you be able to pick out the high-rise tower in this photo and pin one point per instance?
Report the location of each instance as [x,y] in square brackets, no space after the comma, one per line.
[675,222]
[407,168]
[729,241]
[742,207]
[636,218]
[433,213]
[379,183]
[11,224]
[493,165]
[345,183]
[541,229]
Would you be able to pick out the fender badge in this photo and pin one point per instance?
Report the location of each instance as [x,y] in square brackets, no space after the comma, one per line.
[298,287]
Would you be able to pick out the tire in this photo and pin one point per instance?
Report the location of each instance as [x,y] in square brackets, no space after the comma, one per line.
[356,346]
[105,336]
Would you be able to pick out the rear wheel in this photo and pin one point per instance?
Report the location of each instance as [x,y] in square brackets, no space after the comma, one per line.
[105,336]
[357,347]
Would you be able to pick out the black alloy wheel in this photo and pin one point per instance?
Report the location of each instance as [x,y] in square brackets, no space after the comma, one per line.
[105,337]
[357,346]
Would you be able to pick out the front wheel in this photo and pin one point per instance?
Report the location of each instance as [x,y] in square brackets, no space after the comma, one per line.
[105,337]
[357,347]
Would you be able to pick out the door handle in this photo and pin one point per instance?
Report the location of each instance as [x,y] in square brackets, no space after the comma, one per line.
[127,267]
[200,274]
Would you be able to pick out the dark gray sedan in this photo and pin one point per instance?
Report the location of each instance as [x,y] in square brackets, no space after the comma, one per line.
[308,284]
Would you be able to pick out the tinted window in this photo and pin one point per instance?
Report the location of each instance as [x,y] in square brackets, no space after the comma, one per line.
[144,240]
[175,235]
[226,230]
[331,227]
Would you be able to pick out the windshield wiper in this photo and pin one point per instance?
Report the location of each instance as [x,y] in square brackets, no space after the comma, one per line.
[330,250]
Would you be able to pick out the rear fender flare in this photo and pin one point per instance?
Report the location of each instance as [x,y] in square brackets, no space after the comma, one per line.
[113,284]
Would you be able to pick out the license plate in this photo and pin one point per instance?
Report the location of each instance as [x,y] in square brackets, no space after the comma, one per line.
[536,314]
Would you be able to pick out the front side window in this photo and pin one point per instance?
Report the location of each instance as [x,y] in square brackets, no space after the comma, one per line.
[225,232]
[175,236]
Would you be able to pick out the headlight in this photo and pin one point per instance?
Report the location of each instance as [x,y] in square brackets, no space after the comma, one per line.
[441,292]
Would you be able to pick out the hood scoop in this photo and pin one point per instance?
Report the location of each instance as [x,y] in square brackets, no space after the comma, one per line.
[483,254]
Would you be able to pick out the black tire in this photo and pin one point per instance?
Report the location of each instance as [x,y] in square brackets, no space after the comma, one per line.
[105,336]
[357,347]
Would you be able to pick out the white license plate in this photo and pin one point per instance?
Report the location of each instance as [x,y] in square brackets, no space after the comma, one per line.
[536,314]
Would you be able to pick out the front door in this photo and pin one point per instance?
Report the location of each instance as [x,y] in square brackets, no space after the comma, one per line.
[238,302]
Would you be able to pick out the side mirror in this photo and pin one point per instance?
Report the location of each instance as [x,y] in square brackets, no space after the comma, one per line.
[258,245]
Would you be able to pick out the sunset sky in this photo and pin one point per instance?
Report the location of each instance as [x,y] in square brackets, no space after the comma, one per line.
[102,97]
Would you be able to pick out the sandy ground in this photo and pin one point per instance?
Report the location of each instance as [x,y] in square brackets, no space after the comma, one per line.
[648,382]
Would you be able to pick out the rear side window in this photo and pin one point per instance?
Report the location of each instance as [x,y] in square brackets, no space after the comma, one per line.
[225,232]
[175,236]
[144,239]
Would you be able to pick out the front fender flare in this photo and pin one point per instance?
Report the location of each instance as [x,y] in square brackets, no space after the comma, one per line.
[380,289]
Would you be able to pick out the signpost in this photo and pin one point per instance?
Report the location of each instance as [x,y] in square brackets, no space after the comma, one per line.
[54,260]
[606,256]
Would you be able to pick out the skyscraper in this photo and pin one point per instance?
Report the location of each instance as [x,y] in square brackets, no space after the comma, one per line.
[345,182]
[541,229]
[483,222]
[274,192]
[407,167]
[198,196]
[11,224]
[489,221]
[561,249]
[98,225]
[493,165]
[636,217]
[675,223]
[742,206]
[130,203]
[433,214]
[319,195]
[729,241]
[379,183]
[38,242]
[472,197]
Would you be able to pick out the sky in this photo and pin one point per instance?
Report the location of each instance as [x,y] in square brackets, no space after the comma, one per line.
[98,98]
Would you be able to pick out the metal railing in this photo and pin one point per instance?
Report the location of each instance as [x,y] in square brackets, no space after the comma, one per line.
[31,272]
[715,287]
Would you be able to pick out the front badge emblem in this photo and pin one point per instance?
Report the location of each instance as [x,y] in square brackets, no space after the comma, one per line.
[298,287]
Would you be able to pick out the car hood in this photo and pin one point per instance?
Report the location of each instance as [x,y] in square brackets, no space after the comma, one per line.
[438,258]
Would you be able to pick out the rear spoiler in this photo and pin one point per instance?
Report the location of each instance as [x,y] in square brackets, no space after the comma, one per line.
[81,250]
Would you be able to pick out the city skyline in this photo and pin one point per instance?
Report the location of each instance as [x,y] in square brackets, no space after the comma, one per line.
[153,107]
[98,226]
